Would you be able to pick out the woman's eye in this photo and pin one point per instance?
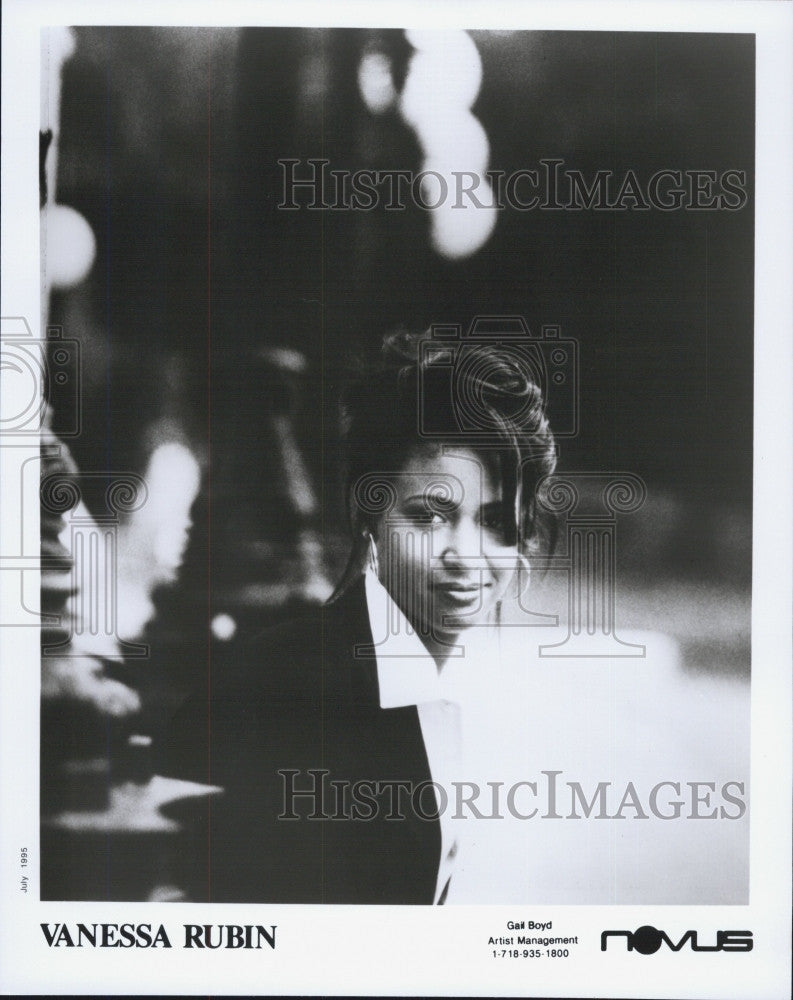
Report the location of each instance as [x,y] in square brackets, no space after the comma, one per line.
[492,520]
[426,516]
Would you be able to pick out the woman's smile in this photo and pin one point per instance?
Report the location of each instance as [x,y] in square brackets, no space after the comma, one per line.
[460,592]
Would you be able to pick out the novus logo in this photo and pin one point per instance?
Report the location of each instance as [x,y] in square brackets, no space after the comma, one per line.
[647,940]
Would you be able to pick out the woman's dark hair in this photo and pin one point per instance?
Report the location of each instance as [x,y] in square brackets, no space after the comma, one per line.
[426,392]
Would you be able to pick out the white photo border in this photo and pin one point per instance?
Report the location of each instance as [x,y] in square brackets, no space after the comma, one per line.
[393,950]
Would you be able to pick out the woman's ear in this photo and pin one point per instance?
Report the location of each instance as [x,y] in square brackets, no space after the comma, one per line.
[364,538]
[356,564]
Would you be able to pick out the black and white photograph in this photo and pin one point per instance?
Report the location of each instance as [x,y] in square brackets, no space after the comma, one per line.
[399,477]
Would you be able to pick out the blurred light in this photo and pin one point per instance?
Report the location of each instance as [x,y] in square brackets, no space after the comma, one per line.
[455,141]
[61,43]
[458,233]
[443,81]
[284,358]
[450,46]
[167,894]
[223,627]
[376,82]
[69,246]
[446,70]
[172,477]
[57,45]
[152,542]
[314,78]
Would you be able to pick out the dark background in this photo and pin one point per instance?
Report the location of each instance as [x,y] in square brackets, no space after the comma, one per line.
[169,145]
[213,320]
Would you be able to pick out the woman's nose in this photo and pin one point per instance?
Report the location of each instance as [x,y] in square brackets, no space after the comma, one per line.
[462,544]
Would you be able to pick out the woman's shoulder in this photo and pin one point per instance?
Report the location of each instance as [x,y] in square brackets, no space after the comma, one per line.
[277,681]
[294,654]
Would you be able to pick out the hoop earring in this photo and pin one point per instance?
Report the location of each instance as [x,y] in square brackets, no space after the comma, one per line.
[524,565]
[372,561]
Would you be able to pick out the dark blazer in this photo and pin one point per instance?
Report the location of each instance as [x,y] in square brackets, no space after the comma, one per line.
[299,699]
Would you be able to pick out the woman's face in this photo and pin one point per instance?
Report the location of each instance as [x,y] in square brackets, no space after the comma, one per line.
[440,548]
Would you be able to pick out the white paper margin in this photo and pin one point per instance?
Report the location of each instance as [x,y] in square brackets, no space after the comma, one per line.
[401,950]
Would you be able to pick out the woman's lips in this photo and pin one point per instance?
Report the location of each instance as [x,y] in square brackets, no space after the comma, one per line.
[459,592]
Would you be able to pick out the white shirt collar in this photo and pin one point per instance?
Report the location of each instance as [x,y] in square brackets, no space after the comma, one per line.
[406,671]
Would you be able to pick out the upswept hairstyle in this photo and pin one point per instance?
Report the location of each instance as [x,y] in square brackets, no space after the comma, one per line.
[485,399]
